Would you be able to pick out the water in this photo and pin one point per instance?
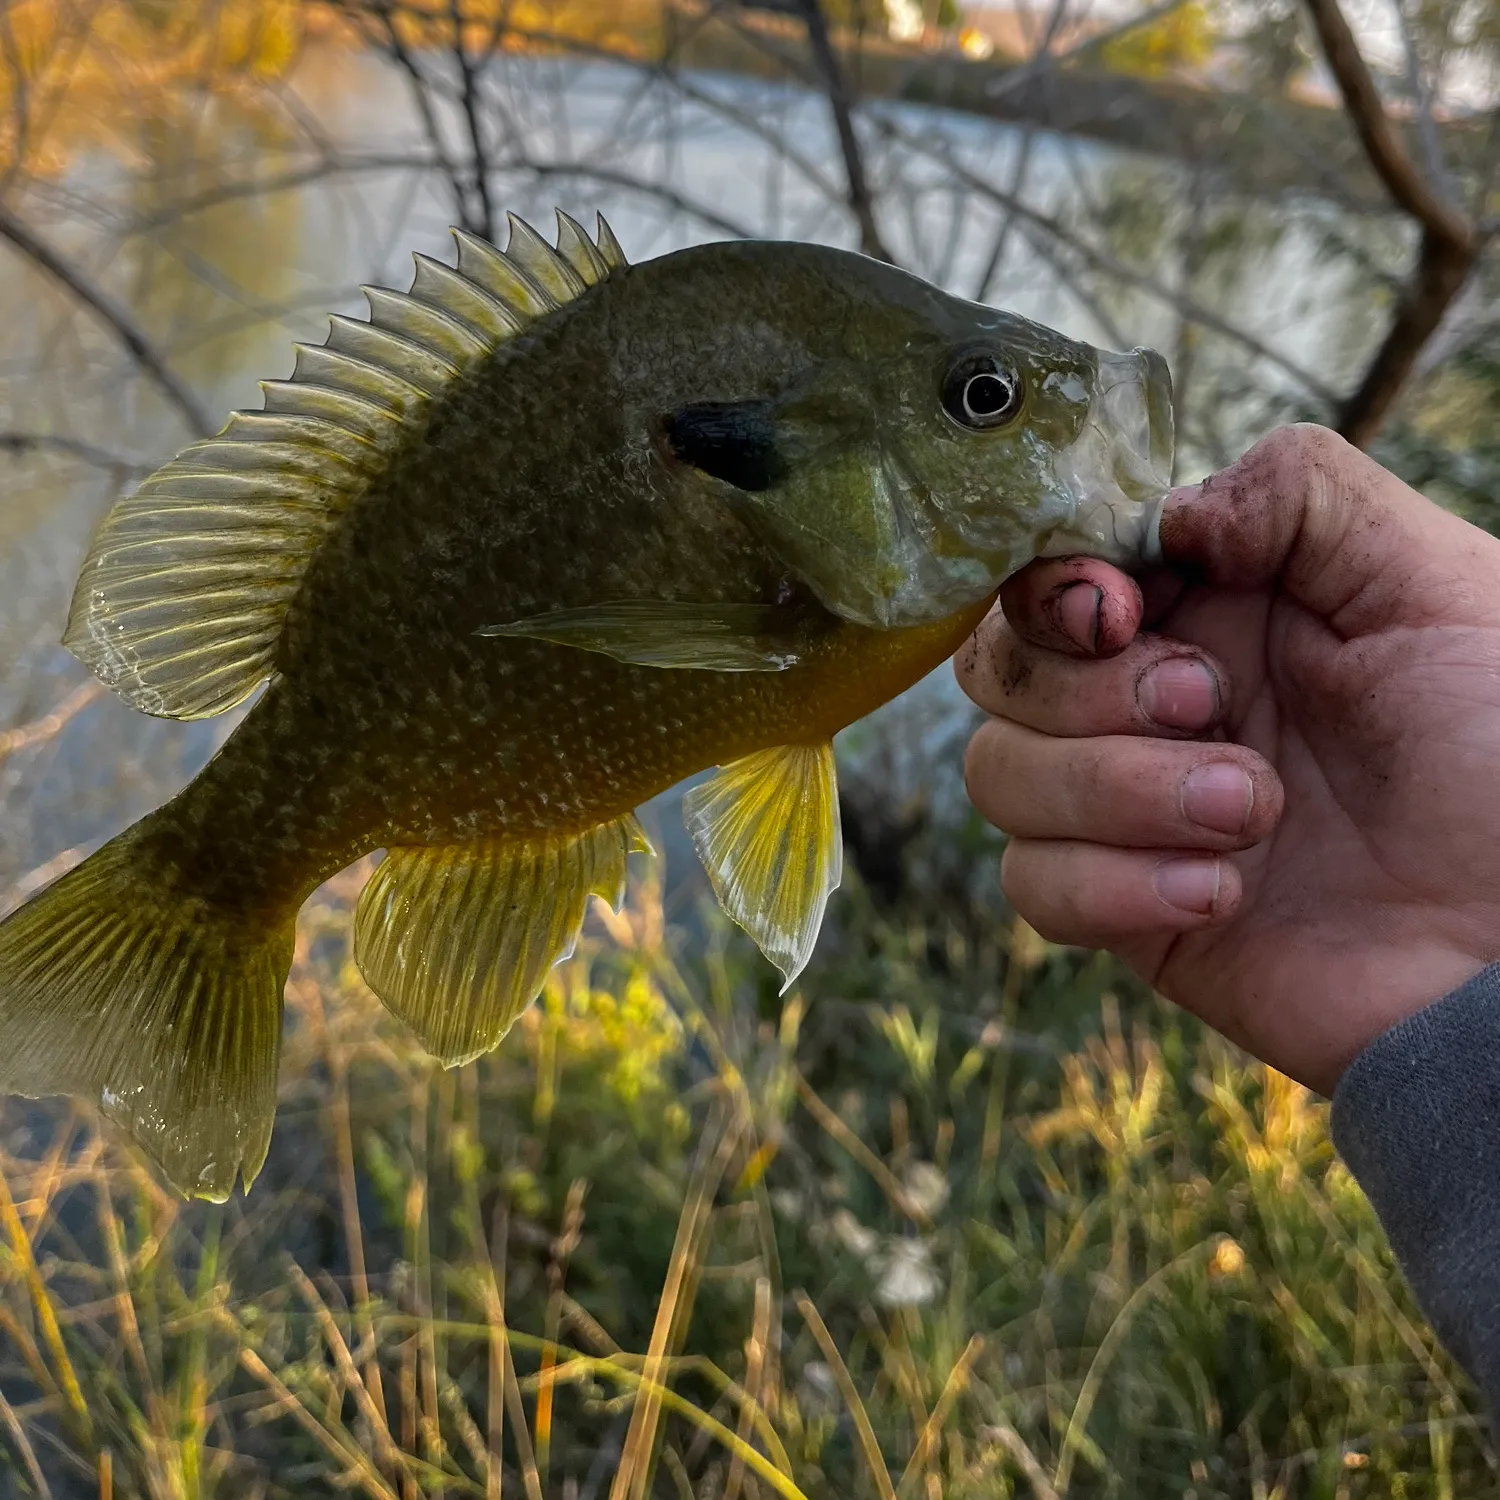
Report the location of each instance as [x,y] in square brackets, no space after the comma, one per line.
[225,290]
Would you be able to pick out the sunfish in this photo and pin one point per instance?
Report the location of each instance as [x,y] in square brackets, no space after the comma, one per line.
[546,535]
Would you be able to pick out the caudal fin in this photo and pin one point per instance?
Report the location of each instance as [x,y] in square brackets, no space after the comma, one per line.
[154,1005]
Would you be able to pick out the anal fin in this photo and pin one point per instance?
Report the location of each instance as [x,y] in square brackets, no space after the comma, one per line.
[768,832]
[457,939]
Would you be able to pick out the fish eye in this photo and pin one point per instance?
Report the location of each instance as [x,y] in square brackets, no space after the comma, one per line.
[980,392]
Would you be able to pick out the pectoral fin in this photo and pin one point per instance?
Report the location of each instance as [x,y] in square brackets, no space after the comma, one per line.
[668,633]
[767,830]
[457,941]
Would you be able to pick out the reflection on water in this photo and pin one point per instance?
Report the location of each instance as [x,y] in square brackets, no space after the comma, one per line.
[225,289]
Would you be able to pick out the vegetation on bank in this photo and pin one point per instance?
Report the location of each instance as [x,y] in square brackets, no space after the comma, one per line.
[963,1216]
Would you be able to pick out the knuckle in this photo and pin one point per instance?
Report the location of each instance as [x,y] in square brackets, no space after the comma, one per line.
[980,757]
[979,662]
[977,647]
[1085,773]
[974,756]
[1019,885]
[1283,459]
[1044,887]
[988,773]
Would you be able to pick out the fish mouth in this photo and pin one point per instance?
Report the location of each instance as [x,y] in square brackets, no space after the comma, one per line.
[1115,475]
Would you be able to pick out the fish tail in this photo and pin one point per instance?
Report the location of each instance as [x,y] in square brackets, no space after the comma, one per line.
[121,986]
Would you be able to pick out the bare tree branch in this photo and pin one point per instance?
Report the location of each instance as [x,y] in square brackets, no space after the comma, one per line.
[734,228]
[836,86]
[1441,273]
[479,165]
[18,443]
[420,86]
[1450,243]
[297,177]
[1046,60]
[1022,165]
[1421,94]
[1109,265]
[1377,134]
[280,182]
[113,313]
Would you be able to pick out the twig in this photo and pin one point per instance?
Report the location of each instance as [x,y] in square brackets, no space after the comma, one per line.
[932,1429]
[1110,265]
[863,1431]
[1377,134]
[1015,1445]
[992,263]
[48,725]
[889,1183]
[101,458]
[479,166]
[1450,243]
[420,88]
[332,165]
[24,1448]
[836,86]
[115,314]
[1421,95]
[1046,60]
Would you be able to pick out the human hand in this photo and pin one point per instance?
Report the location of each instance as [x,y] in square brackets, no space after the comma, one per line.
[1281,805]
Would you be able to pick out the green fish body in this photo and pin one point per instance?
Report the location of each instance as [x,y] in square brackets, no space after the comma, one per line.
[546,536]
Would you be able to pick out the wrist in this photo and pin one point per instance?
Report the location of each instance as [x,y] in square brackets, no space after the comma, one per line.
[1394,987]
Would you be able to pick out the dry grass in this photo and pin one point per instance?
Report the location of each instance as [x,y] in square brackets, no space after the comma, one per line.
[658,1245]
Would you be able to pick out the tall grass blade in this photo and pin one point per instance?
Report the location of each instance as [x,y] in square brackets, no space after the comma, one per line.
[868,1443]
[46,1313]
[633,1476]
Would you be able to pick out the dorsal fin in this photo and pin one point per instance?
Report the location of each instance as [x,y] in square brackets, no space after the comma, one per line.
[182,597]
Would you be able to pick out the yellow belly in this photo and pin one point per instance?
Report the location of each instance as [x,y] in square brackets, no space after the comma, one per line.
[628,733]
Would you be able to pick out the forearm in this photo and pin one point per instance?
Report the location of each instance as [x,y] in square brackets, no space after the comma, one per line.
[1417,1118]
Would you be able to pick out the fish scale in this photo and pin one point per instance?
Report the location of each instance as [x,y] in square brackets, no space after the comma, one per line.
[545,536]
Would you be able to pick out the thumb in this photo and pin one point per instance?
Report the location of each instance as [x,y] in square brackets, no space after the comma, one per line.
[1307,513]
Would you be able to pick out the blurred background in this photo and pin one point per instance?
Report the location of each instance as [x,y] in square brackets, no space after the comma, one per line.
[963,1215]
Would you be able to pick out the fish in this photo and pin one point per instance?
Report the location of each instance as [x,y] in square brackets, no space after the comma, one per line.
[536,540]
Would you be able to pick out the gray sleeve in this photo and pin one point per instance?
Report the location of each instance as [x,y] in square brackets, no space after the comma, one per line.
[1417,1118]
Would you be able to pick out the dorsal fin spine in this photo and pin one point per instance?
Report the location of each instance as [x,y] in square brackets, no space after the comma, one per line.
[418,365]
[365,419]
[527,249]
[441,286]
[578,250]
[322,364]
[421,323]
[609,246]
[498,274]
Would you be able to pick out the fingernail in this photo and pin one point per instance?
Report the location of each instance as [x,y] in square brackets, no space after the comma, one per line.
[1218,796]
[1188,884]
[1078,611]
[1179,694]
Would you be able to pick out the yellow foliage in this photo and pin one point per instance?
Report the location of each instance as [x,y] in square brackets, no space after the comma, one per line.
[74,77]
[632,1034]
[625,28]
[1183,38]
